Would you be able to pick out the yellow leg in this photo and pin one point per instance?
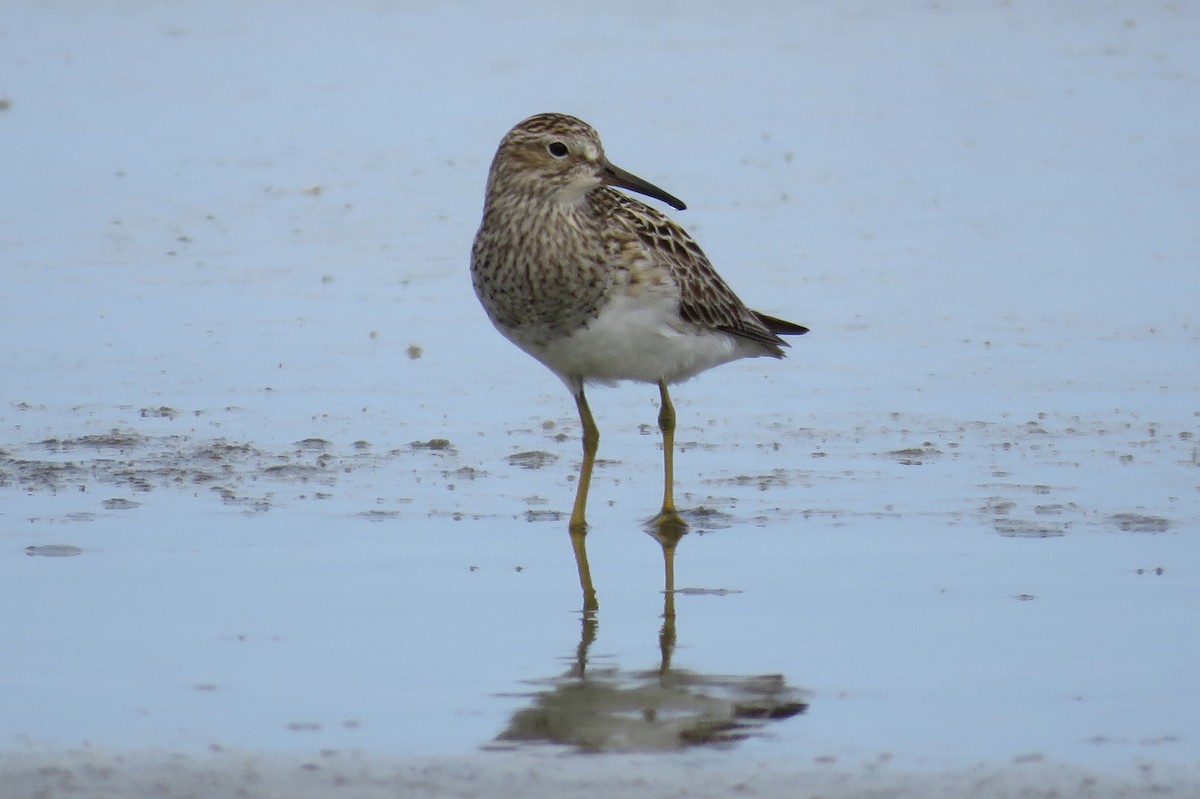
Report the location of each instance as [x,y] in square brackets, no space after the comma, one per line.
[668,517]
[591,442]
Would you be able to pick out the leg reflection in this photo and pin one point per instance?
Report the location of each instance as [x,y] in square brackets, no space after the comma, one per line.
[579,544]
[668,536]
[601,706]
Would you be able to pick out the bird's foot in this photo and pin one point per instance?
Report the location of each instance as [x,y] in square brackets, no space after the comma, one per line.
[668,525]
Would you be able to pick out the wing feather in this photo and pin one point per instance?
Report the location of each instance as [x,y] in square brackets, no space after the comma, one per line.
[705,299]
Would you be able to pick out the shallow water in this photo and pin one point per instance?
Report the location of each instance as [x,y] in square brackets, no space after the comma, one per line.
[270,482]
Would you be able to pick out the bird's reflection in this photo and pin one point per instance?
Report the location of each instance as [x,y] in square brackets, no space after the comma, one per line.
[600,708]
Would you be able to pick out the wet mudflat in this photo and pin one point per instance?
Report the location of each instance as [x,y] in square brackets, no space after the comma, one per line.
[281,512]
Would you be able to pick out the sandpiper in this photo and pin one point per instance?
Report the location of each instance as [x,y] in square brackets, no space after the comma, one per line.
[600,287]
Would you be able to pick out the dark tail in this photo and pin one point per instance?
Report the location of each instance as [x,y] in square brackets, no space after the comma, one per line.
[780,327]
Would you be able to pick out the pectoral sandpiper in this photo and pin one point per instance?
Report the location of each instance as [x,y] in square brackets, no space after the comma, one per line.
[600,287]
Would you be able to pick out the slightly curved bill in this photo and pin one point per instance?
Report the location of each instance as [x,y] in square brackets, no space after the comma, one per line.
[615,176]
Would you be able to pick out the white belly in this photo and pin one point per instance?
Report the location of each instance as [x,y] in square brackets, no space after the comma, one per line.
[639,337]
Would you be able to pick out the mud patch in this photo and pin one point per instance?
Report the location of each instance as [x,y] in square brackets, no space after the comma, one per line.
[1022,528]
[379,515]
[1012,519]
[707,591]
[915,456]
[119,503]
[705,518]
[533,459]
[777,478]
[302,472]
[53,551]
[223,771]
[161,412]
[114,439]
[238,473]
[435,444]
[1140,523]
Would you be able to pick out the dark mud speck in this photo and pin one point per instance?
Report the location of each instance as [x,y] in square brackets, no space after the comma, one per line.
[1138,523]
[533,459]
[435,444]
[914,456]
[115,439]
[53,551]
[542,515]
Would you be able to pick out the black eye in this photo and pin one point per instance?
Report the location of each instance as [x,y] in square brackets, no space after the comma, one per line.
[557,149]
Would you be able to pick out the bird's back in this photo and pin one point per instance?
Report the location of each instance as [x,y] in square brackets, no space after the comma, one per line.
[705,300]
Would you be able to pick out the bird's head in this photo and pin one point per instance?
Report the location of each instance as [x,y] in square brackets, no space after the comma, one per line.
[559,159]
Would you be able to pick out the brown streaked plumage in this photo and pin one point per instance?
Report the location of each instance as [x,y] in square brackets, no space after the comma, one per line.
[600,287]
